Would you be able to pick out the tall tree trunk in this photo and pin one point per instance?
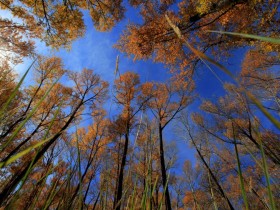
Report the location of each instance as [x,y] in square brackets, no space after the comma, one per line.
[117,204]
[163,171]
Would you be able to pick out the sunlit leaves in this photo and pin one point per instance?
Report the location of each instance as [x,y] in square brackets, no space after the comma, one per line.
[15,41]
[58,23]
[155,39]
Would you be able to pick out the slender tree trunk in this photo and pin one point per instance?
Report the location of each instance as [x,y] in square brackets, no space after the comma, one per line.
[211,173]
[21,144]
[118,172]
[23,116]
[88,187]
[117,204]
[11,127]
[215,180]
[78,187]
[150,179]
[8,189]
[90,160]
[163,171]
[95,203]
[156,199]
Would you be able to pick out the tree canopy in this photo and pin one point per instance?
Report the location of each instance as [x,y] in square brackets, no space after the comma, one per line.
[71,140]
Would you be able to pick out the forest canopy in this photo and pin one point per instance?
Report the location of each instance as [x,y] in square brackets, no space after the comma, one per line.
[70,138]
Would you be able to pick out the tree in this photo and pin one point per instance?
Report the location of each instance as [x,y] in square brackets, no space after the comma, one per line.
[14,47]
[7,85]
[166,102]
[239,114]
[154,38]
[92,144]
[128,92]
[89,90]
[259,75]
[191,175]
[145,165]
[59,23]
[195,142]
[47,70]
[50,160]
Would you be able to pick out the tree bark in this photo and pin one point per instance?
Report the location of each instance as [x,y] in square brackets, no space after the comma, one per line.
[163,170]
[117,204]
